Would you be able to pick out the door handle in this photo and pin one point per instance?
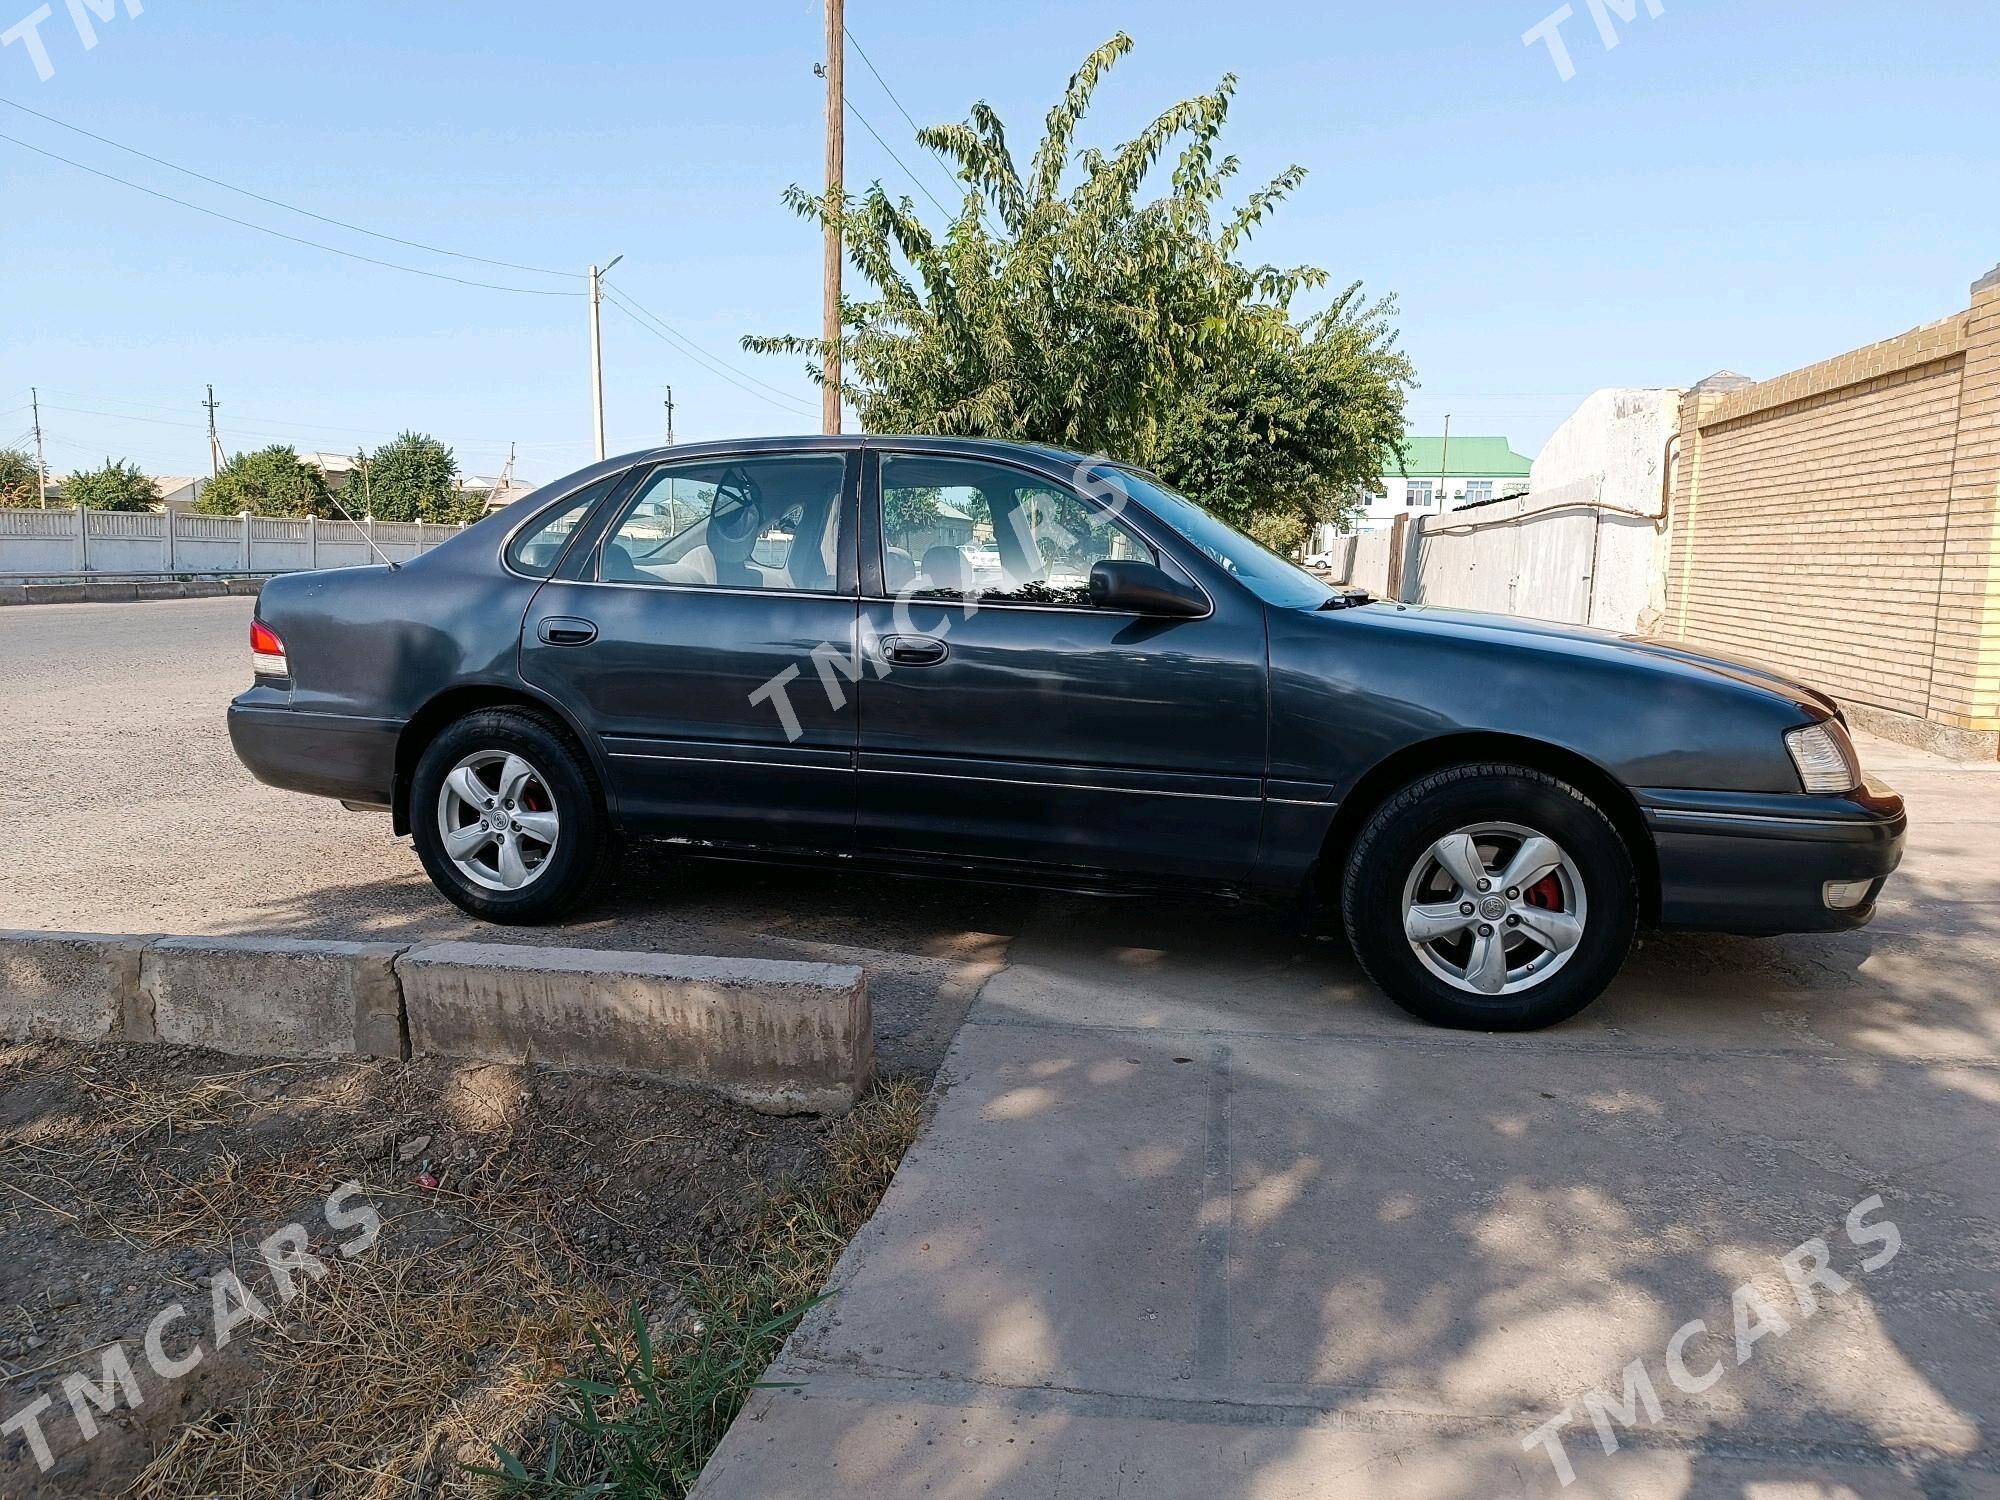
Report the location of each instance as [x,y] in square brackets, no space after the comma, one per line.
[912,650]
[566,630]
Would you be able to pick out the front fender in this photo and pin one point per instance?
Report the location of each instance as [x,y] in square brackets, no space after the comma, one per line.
[1353,688]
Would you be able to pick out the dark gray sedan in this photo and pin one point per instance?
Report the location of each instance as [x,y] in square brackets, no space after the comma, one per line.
[1014,662]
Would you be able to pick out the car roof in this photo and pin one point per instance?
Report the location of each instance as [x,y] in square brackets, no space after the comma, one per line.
[1041,455]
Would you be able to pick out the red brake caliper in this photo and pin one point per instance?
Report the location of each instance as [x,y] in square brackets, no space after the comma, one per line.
[1545,893]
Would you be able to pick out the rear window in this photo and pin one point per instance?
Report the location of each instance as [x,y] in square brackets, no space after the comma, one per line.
[539,547]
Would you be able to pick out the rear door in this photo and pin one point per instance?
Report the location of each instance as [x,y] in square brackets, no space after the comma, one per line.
[676,634]
[1003,717]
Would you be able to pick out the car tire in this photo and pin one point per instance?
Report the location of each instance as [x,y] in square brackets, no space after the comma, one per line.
[1492,957]
[517,859]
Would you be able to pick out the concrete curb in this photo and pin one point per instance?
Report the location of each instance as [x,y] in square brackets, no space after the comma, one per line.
[126,593]
[83,986]
[274,997]
[785,1038]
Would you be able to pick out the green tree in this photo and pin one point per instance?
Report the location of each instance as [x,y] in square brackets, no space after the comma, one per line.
[19,479]
[116,486]
[1292,431]
[410,479]
[1059,307]
[270,482]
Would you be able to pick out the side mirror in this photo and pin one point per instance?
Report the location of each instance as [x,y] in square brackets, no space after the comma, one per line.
[1143,589]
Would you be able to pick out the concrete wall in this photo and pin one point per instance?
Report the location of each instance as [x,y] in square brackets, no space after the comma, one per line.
[1362,561]
[76,544]
[1561,555]
[1842,522]
[1621,440]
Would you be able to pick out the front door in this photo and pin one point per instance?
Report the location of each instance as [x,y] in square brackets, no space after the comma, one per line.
[1003,717]
[705,596]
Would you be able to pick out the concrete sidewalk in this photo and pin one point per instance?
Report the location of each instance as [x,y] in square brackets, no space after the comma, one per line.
[1188,1224]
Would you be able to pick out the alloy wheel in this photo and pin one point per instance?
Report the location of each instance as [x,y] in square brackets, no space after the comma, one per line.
[1494,908]
[498,820]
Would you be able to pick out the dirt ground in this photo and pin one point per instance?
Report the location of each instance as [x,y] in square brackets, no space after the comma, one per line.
[517,1208]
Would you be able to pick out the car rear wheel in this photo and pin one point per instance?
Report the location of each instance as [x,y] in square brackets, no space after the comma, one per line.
[1490,897]
[508,818]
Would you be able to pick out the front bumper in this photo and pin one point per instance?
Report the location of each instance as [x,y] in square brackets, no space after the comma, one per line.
[327,755]
[1759,863]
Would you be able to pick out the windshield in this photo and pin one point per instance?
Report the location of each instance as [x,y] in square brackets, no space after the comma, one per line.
[1264,573]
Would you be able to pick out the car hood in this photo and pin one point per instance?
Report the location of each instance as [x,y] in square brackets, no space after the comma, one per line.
[1550,635]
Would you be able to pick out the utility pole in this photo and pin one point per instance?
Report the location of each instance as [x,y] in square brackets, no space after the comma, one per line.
[670,416]
[1444,463]
[214,443]
[597,356]
[836,190]
[41,463]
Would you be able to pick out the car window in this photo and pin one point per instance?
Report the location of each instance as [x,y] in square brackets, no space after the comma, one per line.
[1264,573]
[961,529]
[751,523]
[540,545]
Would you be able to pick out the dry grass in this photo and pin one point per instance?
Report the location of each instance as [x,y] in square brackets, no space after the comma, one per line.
[643,1416]
[399,1373]
[129,1110]
[210,1208]
[380,1379]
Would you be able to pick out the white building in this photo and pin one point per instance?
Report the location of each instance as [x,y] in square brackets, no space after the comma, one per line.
[1440,473]
[1434,474]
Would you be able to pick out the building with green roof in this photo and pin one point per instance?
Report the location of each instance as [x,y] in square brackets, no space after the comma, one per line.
[1436,473]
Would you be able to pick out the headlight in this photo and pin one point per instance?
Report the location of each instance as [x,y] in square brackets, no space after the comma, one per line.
[1825,758]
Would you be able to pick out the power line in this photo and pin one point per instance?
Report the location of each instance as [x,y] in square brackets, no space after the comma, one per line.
[791,408]
[119,416]
[391,265]
[275,202]
[664,331]
[264,421]
[915,128]
[892,154]
[262,428]
[704,353]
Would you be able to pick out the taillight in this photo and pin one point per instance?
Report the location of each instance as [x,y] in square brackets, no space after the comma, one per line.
[267,652]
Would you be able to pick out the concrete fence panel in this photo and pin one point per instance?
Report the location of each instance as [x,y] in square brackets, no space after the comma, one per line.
[63,544]
[1532,556]
[1562,555]
[1368,562]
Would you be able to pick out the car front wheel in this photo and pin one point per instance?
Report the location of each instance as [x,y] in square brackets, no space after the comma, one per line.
[507,817]
[1490,897]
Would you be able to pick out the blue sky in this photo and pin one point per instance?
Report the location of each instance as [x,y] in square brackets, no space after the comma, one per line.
[1748,184]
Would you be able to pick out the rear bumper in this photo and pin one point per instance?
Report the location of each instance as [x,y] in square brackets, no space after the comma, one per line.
[327,755]
[1760,864]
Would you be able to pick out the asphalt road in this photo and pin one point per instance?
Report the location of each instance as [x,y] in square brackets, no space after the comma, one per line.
[128,812]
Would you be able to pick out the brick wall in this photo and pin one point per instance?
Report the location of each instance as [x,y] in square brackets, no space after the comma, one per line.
[1842,522]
